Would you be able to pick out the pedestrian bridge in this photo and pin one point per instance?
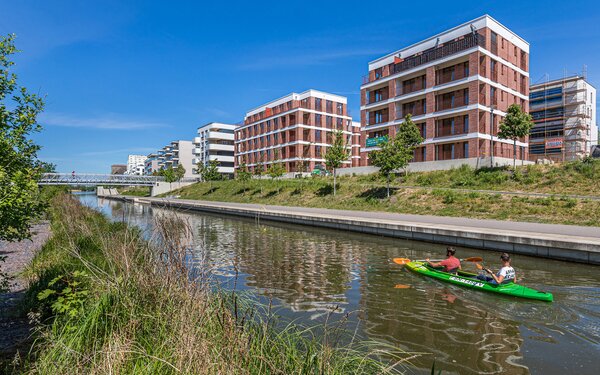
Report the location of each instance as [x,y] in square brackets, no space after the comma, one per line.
[104,179]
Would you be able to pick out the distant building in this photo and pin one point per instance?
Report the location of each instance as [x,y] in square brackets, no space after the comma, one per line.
[177,153]
[296,130]
[151,164]
[595,153]
[215,142]
[135,164]
[457,85]
[564,112]
[118,169]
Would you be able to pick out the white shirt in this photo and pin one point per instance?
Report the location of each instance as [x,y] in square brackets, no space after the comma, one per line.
[508,272]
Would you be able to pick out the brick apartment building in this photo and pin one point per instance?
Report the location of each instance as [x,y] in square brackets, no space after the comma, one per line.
[296,129]
[454,85]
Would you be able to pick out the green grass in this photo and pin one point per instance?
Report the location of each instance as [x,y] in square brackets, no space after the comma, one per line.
[129,306]
[136,191]
[433,193]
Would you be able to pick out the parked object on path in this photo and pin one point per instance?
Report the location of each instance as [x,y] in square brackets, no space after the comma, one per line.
[469,280]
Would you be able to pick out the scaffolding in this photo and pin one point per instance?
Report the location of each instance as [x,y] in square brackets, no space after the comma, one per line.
[574,117]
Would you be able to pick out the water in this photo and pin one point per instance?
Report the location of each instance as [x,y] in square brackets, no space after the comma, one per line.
[307,272]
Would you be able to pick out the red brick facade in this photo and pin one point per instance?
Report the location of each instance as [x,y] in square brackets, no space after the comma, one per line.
[296,130]
[450,89]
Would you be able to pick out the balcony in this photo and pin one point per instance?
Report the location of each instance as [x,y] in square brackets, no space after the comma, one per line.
[458,45]
[220,135]
[197,140]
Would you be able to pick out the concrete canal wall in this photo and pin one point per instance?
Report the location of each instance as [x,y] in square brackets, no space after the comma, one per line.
[561,242]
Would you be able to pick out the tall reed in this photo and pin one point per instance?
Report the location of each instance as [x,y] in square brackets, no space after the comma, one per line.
[144,310]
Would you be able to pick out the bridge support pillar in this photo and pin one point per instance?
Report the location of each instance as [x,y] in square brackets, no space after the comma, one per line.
[165,187]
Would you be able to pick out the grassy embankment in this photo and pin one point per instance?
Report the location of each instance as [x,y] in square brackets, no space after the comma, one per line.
[135,191]
[108,301]
[434,193]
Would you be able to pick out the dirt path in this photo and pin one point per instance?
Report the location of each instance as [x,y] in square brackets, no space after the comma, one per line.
[14,325]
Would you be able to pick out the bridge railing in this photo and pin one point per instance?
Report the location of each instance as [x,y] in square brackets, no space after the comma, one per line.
[103,179]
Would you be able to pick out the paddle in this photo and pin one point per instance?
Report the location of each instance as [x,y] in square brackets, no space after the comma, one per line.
[406,260]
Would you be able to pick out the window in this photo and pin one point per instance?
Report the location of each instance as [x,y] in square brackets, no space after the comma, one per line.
[466,124]
[318,104]
[328,121]
[340,108]
[317,136]
[466,96]
[493,94]
[318,151]
[466,149]
[378,73]
[318,121]
[329,106]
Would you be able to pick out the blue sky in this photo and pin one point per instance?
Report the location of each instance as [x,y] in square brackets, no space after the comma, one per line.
[125,77]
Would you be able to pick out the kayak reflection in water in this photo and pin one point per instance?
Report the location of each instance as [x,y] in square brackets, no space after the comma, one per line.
[506,274]
[451,264]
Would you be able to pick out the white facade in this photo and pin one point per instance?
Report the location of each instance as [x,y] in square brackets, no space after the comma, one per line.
[215,141]
[136,164]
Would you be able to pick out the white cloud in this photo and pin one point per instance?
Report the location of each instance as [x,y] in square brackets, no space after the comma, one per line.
[110,122]
[133,150]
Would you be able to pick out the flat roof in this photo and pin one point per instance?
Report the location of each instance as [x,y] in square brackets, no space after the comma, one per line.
[298,96]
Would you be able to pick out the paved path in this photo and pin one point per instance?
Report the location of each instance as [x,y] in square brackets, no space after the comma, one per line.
[14,325]
[563,242]
[491,225]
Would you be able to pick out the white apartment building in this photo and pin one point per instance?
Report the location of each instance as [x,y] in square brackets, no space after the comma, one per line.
[136,164]
[215,141]
[179,153]
[564,112]
[151,164]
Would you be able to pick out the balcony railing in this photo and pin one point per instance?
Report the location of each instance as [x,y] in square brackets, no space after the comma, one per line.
[450,48]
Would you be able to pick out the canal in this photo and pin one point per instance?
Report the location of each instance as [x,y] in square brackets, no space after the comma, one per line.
[307,273]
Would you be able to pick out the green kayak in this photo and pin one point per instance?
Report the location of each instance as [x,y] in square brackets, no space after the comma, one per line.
[469,280]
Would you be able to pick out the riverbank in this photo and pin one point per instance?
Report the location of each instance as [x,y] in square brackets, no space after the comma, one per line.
[14,325]
[566,194]
[108,301]
[562,242]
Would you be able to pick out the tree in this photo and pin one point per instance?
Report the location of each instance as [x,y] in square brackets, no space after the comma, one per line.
[516,124]
[210,172]
[179,172]
[275,169]
[47,167]
[243,174]
[396,153]
[20,169]
[336,154]
[259,170]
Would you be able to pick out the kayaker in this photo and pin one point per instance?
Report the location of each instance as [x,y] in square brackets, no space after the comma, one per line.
[506,274]
[451,264]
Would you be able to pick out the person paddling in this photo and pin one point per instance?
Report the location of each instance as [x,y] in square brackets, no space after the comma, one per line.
[506,274]
[451,263]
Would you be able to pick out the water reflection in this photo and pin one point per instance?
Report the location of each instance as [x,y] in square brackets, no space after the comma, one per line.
[308,271]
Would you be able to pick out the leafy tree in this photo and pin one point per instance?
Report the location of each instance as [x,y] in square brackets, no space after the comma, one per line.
[20,169]
[275,169]
[259,170]
[336,155]
[179,172]
[516,124]
[396,153]
[243,174]
[210,172]
[47,167]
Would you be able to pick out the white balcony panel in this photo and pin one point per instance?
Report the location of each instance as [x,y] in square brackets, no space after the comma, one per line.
[220,135]
[225,169]
[219,147]
[221,158]
[197,140]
